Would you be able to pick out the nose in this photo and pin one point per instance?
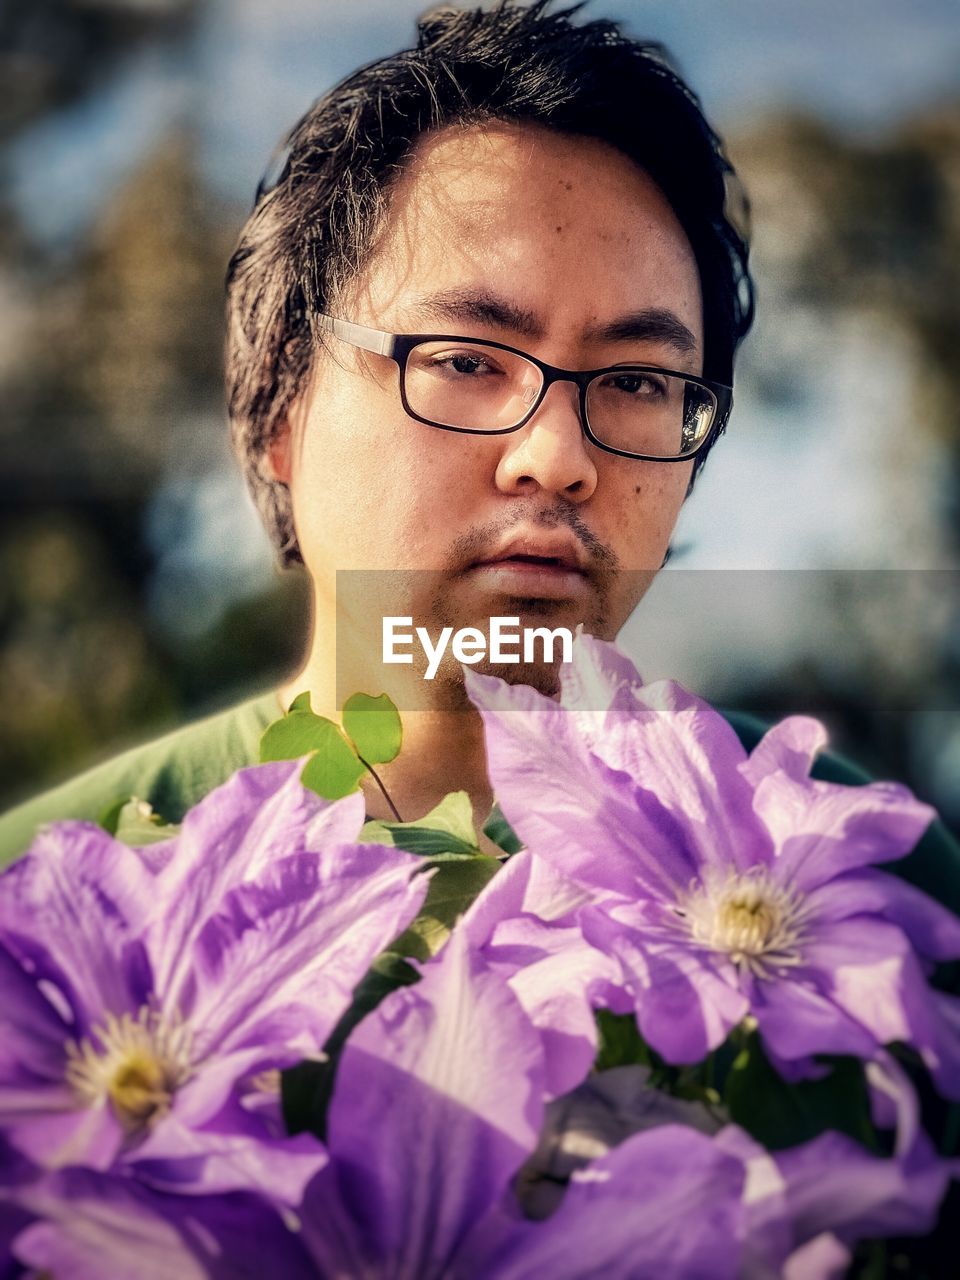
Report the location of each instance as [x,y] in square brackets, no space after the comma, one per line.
[550,452]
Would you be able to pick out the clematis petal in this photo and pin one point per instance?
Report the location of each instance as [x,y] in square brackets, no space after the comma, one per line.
[601,678]
[534,748]
[933,930]
[257,818]
[822,829]
[66,1135]
[822,1258]
[240,1155]
[685,1004]
[796,1020]
[600,1113]
[676,748]
[560,992]
[666,1202]
[833,1184]
[33,1032]
[686,758]
[860,963]
[449,1134]
[71,911]
[789,747]
[304,933]
[524,923]
[88,1226]
[526,886]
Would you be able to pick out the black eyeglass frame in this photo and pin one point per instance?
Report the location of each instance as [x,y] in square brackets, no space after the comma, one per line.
[397,347]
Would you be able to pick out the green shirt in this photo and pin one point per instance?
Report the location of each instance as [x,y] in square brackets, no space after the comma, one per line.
[173,772]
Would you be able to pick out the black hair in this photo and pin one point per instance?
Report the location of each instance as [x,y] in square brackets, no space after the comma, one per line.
[314,223]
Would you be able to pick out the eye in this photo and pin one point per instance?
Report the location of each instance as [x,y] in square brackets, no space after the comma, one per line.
[466,364]
[463,364]
[634,383]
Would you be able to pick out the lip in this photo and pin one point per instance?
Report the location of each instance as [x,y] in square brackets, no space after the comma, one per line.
[535,566]
[533,553]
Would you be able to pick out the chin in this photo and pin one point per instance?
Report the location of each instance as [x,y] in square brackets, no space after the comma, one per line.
[542,676]
[448,692]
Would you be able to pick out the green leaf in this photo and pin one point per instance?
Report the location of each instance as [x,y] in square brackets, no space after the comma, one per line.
[388,972]
[457,880]
[301,702]
[621,1044]
[426,841]
[779,1114]
[294,735]
[499,830]
[333,770]
[373,726]
[135,823]
[448,828]
[306,1089]
[110,817]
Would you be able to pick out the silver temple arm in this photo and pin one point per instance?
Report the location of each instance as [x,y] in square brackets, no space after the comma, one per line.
[358,335]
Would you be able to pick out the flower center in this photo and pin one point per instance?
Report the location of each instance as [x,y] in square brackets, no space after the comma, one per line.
[749,917]
[134,1063]
[746,923]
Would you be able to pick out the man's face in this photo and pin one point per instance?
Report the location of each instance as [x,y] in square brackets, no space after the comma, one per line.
[559,246]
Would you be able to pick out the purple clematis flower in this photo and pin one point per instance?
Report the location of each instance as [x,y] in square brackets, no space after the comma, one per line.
[525,925]
[437,1115]
[450,1075]
[724,885]
[87,1226]
[150,998]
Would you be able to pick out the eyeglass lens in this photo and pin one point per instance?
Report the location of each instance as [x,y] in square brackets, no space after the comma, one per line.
[482,388]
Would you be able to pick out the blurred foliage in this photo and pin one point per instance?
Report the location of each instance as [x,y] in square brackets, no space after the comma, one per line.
[868,224]
[110,383]
[54,51]
[870,227]
[119,351]
[75,656]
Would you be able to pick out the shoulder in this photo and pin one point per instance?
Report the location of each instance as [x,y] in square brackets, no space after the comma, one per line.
[171,773]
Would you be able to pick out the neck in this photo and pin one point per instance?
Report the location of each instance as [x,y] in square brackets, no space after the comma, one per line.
[443,747]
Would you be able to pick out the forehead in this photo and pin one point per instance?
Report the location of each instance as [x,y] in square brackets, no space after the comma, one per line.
[567,228]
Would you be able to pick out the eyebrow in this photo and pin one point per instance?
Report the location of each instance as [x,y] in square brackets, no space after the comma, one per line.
[655,324]
[484,308]
[651,324]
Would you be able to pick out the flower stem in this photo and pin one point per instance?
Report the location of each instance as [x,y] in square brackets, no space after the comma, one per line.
[386,794]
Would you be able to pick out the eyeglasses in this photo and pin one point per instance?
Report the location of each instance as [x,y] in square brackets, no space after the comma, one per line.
[487,388]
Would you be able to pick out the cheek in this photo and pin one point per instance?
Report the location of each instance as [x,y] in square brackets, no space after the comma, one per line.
[373,488]
[649,501]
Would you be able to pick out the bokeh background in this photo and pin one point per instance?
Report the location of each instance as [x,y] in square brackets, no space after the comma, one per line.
[815,567]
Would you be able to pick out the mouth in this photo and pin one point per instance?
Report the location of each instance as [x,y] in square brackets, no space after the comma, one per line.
[536,572]
[530,562]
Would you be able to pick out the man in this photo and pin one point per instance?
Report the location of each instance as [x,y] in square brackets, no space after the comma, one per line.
[481,337]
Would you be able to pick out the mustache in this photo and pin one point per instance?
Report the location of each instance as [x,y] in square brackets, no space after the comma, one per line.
[602,562]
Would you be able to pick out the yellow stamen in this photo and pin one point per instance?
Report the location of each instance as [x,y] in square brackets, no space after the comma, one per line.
[135,1064]
[748,916]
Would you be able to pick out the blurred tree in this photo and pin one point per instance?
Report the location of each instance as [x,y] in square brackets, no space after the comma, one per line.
[121,347]
[868,224]
[54,51]
[113,379]
[868,228]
